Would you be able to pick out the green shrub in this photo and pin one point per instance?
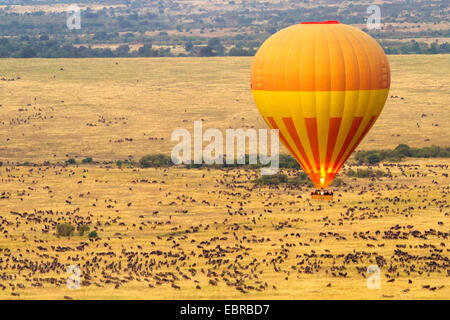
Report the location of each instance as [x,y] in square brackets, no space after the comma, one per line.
[93,234]
[401,151]
[301,179]
[337,182]
[363,173]
[64,230]
[156,160]
[71,161]
[379,173]
[82,228]
[87,160]
[238,52]
[373,159]
[287,161]
[359,173]
[272,179]
[350,173]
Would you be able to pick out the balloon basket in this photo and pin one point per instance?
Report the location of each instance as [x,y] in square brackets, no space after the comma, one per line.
[322,195]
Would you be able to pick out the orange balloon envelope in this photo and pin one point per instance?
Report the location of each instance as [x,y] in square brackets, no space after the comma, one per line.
[323,85]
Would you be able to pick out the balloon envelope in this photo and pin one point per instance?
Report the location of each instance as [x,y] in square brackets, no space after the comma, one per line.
[323,85]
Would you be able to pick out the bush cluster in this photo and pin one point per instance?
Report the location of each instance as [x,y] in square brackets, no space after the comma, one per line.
[299,180]
[364,173]
[373,157]
[64,230]
[155,160]
[82,228]
[87,160]
[67,230]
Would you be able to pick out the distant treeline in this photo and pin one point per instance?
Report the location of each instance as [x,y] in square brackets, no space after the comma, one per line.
[160,160]
[271,180]
[400,152]
[415,47]
[44,47]
[369,157]
[241,26]
[299,180]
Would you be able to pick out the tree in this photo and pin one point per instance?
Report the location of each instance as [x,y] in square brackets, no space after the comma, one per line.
[373,159]
[146,50]
[217,48]
[27,52]
[188,46]
[123,50]
[403,150]
[156,160]
[239,52]
[206,52]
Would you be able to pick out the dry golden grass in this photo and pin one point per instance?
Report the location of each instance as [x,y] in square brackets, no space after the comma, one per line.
[127,98]
[191,227]
[204,227]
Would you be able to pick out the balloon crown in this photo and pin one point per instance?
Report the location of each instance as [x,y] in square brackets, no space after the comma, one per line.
[321,22]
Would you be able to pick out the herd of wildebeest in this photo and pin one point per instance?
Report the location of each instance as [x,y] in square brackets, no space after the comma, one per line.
[190,230]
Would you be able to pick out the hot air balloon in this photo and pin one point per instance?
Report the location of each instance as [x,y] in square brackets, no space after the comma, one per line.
[323,86]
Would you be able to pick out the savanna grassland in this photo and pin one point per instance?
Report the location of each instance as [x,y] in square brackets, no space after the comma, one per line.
[111,109]
[177,233]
